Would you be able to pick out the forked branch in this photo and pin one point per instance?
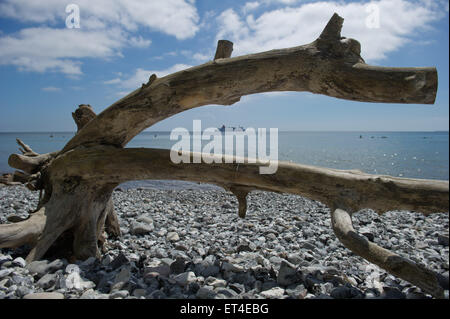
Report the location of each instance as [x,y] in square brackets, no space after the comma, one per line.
[26,150]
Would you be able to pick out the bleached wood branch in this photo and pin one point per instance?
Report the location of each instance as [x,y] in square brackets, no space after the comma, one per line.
[346,189]
[399,266]
[331,66]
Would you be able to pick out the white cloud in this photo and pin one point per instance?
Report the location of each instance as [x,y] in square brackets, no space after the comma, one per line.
[51,89]
[139,42]
[400,20]
[201,57]
[174,17]
[231,25]
[141,76]
[249,6]
[279,3]
[283,1]
[47,49]
[113,81]
[33,11]
[107,26]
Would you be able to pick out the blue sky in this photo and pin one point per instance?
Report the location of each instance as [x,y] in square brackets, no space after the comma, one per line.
[47,69]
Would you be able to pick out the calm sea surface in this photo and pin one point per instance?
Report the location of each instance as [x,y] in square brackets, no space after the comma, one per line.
[405,154]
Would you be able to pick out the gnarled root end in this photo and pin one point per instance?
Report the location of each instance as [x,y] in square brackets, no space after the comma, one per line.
[80,216]
[401,267]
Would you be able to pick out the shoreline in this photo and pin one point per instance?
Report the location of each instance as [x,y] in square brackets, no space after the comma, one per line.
[174,185]
[189,243]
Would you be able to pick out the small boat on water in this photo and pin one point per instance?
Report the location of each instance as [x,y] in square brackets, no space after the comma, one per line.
[232,128]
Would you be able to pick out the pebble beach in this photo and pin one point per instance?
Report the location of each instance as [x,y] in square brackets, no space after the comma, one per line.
[189,243]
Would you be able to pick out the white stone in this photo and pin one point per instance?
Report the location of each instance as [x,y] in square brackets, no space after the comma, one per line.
[226,266]
[74,281]
[185,278]
[5,272]
[138,228]
[215,282]
[172,236]
[121,294]
[71,268]
[44,295]
[145,219]
[273,293]
[19,261]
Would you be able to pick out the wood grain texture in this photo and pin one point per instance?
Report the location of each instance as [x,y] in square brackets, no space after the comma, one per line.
[351,190]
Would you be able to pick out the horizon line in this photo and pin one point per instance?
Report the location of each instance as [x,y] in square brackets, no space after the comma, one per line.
[306,131]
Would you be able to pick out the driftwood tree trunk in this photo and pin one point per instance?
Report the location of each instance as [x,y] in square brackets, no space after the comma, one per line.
[76,183]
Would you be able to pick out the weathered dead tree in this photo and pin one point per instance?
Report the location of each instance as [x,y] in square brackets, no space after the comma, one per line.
[76,183]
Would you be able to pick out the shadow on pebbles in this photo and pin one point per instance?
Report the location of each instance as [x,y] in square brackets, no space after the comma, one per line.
[190,243]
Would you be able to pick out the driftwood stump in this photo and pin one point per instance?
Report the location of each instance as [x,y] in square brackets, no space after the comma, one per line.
[76,182]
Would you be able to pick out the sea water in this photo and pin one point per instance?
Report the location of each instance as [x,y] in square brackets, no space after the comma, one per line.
[402,154]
